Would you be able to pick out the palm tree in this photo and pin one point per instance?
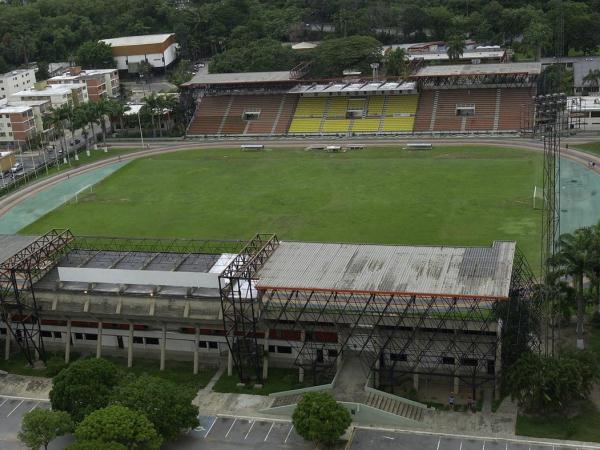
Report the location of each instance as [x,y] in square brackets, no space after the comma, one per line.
[573,259]
[103,108]
[594,268]
[152,105]
[167,104]
[117,109]
[57,119]
[593,78]
[456,47]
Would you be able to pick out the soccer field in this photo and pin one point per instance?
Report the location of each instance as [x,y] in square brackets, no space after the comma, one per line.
[449,195]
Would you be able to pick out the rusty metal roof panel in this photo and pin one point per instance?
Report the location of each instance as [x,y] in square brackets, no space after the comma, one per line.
[420,270]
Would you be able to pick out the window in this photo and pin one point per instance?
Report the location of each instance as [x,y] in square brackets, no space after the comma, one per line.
[57,334]
[284,349]
[151,341]
[465,110]
[202,344]
[91,337]
[470,362]
[138,340]
[271,349]
[213,345]
[251,115]
[595,114]
[332,353]
[448,360]
[46,334]
[398,357]
[78,335]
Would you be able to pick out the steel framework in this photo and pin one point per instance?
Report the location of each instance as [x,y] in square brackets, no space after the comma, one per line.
[398,335]
[240,305]
[18,305]
[507,80]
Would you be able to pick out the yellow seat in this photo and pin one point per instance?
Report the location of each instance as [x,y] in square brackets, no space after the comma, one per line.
[305,125]
[366,125]
[336,125]
[399,124]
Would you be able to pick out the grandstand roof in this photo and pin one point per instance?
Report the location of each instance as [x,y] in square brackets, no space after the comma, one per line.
[360,87]
[11,244]
[531,68]
[467,54]
[478,272]
[237,78]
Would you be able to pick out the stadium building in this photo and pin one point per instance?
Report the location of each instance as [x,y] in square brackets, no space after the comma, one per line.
[413,315]
[459,99]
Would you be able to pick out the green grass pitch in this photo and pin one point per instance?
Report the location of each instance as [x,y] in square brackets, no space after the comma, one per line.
[449,195]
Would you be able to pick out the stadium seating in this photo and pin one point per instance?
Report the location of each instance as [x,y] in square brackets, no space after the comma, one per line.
[209,115]
[516,109]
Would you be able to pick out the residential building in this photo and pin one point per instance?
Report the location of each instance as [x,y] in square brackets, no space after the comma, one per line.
[57,94]
[158,50]
[584,113]
[17,124]
[580,66]
[58,68]
[101,83]
[16,81]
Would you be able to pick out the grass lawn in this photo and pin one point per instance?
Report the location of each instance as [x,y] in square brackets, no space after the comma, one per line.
[590,147]
[279,380]
[468,195]
[17,364]
[583,427]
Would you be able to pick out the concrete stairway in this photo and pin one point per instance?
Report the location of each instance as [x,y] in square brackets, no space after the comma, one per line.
[286,400]
[394,406]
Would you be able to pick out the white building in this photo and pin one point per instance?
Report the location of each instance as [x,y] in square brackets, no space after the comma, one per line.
[584,113]
[159,50]
[16,81]
[101,83]
[57,94]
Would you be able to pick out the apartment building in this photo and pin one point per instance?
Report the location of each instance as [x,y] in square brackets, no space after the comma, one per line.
[101,83]
[58,95]
[17,124]
[15,81]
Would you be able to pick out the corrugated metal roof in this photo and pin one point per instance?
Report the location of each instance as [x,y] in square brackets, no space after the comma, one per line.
[236,78]
[448,271]
[533,68]
[145,39]
[11,244]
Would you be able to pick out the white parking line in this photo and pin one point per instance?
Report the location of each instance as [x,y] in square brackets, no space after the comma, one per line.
[460,448]
[251,426]
[35,406]
[5,400]
[438,446]
[13,397]
[288,435]
[15,408]
[210,428]
[268,432]
[232,424]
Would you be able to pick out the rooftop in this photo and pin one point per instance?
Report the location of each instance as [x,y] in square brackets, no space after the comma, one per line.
[146,39]
[14,109]
[236,78]
[443,56]
[532,68]
[52,89]
[482,272]
[15,72]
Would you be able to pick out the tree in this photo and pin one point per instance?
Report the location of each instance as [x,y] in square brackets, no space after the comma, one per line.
[119,424]
[544,384]
[181,73]
[83,387]
[456,47]
[319,418]
[574,259]
[255,56]
[95,445]
[396,63]
[95,55]
[40,426]
[334,56]
[537,36]
[593,78]
[165,404]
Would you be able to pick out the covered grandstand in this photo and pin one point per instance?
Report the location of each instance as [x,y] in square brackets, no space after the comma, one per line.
[459,99]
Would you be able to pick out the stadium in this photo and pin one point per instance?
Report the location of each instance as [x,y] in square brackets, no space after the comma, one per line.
[428,318]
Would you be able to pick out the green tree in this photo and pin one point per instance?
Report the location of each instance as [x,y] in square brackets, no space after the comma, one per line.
[396,63]
[255,56]
[167,405]
[95,445]
[537,36]
[319,418]
[95,55]
[334,56]
[119,424]
[456,47]
[41,426]
[593,78]
[83,387]
[181,73]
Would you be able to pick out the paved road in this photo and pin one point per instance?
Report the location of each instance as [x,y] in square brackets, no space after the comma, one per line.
[367,439]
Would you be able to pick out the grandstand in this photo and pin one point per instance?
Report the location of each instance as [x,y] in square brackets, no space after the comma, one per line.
[490,98]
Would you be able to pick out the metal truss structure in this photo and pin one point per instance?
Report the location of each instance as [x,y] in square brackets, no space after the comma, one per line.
[240,305]
[401,335]
[550,121]
[18,306]
[506,80]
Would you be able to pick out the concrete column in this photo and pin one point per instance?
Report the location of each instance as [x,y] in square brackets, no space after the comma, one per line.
[456,385]
[416,382]
[68,343]
[163,347]
[300,374]
[99,341]
[130,346]
[196,349]
[265,367]
[229,363]
[7,341]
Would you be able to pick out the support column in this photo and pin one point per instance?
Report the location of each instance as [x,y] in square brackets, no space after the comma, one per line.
[456,385]
[99,341]
[416,382]
[265,367]
[68,343]
[229,363]
[8,338]
[300,374]
[196,349]
[130,346]
[163,347]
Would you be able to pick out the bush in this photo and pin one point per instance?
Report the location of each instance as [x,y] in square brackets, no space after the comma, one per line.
[41,426]
[319,418]
[95,445]
[595,320]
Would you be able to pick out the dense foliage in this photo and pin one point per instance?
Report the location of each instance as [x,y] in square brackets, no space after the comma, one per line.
[95,445]
[166,405]
[119,424]
[83,387]
[53,30]
[319,418]
[41,426]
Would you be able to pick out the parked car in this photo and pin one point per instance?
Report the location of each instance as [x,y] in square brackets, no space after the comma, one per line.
[17,167]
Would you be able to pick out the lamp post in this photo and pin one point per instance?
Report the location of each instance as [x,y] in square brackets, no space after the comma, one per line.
[140,124]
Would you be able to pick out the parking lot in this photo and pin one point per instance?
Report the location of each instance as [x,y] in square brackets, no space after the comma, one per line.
[367,439]
[12,410]
[228,433]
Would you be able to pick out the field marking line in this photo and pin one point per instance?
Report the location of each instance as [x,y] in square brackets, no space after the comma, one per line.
[35,406]
[269,432]
[288,435]
[210,428]
[13,397]
[232,424]
[15,408]
[251,426]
